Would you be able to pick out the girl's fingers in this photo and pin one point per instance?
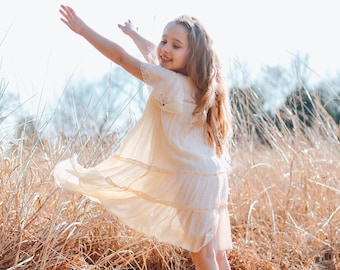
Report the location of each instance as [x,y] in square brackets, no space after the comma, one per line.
[67,11]
[72,12]
[62,12]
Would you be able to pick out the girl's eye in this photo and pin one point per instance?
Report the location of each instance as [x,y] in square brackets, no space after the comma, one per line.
[163,41]
[176,46]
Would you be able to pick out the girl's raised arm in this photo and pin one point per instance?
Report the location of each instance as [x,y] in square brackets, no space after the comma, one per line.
[107,47]
[146,47]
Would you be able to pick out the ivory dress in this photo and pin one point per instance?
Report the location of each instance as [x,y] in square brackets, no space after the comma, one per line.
[165,180]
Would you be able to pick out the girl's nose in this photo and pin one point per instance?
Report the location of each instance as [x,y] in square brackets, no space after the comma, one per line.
[165,48]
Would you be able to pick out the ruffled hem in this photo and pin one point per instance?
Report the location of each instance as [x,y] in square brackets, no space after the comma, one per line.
[165,205]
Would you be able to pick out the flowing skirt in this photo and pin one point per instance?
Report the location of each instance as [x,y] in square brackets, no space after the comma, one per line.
[171,202]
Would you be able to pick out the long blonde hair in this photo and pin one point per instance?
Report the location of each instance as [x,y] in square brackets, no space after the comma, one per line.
[212,98]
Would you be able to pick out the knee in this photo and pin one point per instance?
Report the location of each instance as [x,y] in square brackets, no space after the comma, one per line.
[221,256]
[204,259]
[206,252]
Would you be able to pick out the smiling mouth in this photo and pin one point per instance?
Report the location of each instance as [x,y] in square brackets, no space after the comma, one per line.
[165,59]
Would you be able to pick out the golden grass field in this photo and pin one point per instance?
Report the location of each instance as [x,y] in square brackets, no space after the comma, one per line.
[284,206]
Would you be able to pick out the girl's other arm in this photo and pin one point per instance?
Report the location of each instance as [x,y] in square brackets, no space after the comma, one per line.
[108,48]
[146,47]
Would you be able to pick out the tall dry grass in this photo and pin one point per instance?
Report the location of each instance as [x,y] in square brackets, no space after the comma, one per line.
[284,204]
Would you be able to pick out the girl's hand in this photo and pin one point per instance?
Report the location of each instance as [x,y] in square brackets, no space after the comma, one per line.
[70,18]
[128,28]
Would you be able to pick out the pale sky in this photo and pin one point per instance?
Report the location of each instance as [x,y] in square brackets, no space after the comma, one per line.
[39,52]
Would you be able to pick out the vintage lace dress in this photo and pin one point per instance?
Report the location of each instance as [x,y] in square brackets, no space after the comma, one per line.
[164,180]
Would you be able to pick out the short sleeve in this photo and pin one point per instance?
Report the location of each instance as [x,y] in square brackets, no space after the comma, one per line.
[165,85]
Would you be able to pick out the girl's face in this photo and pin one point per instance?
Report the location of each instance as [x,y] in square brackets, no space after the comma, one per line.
[173,49]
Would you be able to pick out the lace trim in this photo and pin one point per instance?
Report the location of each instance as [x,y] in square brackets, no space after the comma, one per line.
[162,99]
[146,76]
[165,105]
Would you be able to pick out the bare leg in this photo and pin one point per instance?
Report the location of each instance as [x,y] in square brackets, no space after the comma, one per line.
[208,259]
[222,260]
[205,259]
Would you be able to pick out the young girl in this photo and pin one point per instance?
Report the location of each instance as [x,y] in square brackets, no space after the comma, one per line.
[168,178]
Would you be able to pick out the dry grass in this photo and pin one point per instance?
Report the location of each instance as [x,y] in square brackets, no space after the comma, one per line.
[284,205]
